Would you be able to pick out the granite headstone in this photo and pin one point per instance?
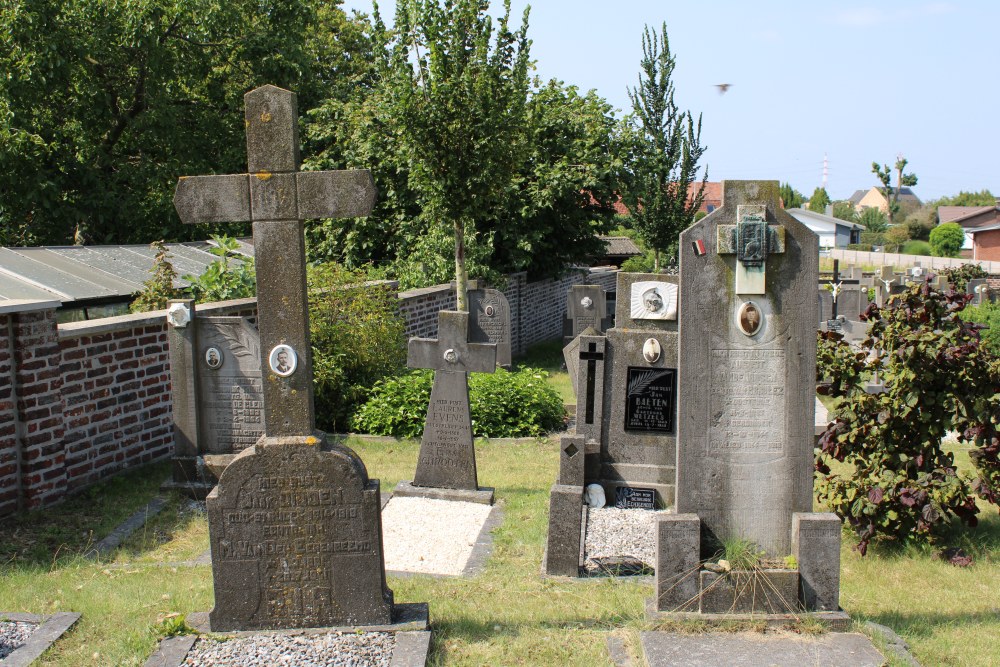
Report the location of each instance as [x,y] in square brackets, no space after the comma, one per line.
[489,322]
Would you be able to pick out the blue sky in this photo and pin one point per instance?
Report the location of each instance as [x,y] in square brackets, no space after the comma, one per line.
[860,82]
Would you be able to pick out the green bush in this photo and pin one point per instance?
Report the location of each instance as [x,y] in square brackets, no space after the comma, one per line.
[639,264]
[960,276]
[160,287]
[917,248]
[232,276]
[947,239]
[502,404]
[865,247]
[873,238]
[358,338]
[987,314]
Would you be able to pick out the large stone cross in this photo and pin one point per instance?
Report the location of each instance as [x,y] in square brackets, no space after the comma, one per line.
[751,239]
[447,457]
[276,197]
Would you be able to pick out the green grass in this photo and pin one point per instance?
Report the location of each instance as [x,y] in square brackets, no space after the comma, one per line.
[509,615]
[549,357]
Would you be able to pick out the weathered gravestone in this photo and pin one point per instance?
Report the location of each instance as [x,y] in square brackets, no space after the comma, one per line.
[446,465]
[979,288]
[489,322]
[294,522]
[626,414]
[851,302]
[586,308]
[745,428]
[218,404]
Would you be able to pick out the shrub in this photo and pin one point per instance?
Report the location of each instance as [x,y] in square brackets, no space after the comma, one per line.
[639,264]
[896,237]
[947,239]
[502,405]
[873,238]
[865,247]
[898,481]
[987,314]
[917,248]
[232,276]
[873,220]
[358,338]
[960,276]
[160,287]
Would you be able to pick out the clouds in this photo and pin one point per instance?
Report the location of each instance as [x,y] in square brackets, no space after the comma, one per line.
[873,16]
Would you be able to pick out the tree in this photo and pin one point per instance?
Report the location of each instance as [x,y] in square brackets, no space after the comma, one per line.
[896,237]
[790,197]
[892,194]
[844,210]
[819,200]
[454,94]
[947,239]
[963,198]
[873,220]
[104,104]
[664,148]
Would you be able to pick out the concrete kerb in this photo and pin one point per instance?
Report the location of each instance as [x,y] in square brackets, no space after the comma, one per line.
[123,531]
[50,628]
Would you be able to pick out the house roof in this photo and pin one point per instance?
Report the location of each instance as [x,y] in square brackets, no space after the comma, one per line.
[620,245]
[905,194]
[805,216]
[960,213]
[81,273]
[857,196]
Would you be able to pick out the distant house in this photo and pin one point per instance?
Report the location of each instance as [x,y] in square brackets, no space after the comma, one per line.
[981,225]
[617,250]
[874,198]
[711,201]
[833,232]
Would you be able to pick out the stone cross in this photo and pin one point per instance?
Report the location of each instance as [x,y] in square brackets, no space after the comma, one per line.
[752,240]
[276,197]
[447,457]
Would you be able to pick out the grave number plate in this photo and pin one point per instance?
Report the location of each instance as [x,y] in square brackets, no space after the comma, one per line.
[630,497]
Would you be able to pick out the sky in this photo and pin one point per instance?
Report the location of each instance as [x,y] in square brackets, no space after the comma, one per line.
[855,82]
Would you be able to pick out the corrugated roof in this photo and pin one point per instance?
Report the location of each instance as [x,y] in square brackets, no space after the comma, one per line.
[81,273]
[620,245]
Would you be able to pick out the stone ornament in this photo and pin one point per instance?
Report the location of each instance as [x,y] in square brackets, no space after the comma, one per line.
[178,315]
[651,350]
[213,357]
[586,302]
[450,355]
[654,300]
[594,496]
[750,318]
[283,360]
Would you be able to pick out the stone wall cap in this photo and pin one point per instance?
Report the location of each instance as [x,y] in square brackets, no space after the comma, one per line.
[27,305]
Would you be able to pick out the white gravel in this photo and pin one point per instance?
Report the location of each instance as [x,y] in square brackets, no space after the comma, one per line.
[368,649]
[428,536]
[13,634]
[614,533]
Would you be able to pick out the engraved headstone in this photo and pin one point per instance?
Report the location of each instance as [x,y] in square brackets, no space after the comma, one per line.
[294,523]
[489,322]
[851,302]
[979,288]
[447,458]
[745,430]
[586,307]
[232,405]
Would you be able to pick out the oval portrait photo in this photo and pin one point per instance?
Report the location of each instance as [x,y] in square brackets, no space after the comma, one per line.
[750,318]
[213,357]
[282,360]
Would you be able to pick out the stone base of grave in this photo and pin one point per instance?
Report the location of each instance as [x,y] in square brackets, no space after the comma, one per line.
[482,495]
[835,621]
[406,617]
[50,628]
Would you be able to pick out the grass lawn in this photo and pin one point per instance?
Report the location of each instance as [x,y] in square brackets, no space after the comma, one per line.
[548,356]
[509,615]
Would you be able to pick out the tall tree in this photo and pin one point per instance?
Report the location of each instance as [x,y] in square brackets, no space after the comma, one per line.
[902,180]
[819,200]
[790,197]
[660,186]
[104,104]
[455,89]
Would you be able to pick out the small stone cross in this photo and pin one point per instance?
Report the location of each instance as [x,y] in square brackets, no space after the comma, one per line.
[451,350]
[752,240]
[276,197]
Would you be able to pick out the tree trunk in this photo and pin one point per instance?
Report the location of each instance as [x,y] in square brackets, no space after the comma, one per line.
[656,261]
[461,277]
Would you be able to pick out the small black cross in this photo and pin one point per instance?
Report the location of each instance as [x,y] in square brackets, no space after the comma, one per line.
[591,356]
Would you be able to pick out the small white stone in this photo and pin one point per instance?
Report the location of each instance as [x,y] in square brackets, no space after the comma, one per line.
[595,496]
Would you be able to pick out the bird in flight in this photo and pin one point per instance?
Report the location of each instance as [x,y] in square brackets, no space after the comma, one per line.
[723,87]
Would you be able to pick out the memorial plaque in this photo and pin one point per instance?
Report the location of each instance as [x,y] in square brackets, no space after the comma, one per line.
[653,300]
[631,497]
[747,408]
[231,394]
[651,399]
[489,322]
[297,542]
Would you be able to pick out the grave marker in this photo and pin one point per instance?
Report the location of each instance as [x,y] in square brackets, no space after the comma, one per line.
[489,322]
[586,307]
[295,527]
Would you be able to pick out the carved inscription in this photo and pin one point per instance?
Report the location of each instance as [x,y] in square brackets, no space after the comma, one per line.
[234,412]
[747,408]
[448,422]
[651,399]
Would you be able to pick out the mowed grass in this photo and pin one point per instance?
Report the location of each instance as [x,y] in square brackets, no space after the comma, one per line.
[509,615]
[548,356]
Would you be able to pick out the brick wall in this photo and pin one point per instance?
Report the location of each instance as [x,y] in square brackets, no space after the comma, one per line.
[82,401]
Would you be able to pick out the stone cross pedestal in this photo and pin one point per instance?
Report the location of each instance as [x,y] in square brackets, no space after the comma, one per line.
[294,524]
[446,467]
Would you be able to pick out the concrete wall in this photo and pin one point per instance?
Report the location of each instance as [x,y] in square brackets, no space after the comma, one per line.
[82,401]
[859,257]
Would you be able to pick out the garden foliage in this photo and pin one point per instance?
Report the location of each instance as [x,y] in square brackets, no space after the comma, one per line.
[159,289]
[899,482]
[232,276]
[960,276]
[503,404]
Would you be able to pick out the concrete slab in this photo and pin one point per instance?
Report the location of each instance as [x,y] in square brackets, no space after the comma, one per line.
[50,628]
[785,649]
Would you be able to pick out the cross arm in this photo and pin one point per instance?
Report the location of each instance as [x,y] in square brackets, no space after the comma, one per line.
[213,198]
[335,194]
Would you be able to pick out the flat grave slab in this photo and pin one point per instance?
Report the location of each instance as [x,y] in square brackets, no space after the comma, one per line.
[437,537]
[21,645]
[781,649]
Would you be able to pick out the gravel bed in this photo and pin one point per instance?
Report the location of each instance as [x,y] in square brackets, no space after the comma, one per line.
[367,649]
[620,535]
[430,536]
[13,634]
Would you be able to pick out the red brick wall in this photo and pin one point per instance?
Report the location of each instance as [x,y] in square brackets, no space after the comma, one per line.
[987,245]
[9,459]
